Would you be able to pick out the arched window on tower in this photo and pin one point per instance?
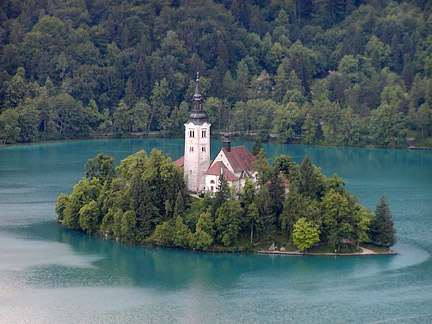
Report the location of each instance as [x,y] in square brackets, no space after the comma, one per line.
[191,133]
[204,133]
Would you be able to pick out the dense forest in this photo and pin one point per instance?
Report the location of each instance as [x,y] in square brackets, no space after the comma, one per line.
[144,201]
[332,72]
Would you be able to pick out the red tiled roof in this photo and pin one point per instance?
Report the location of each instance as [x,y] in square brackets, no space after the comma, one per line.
[179,162]
[240,158]
[219,168]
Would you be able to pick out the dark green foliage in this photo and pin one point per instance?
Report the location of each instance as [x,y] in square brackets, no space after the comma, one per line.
[222,195]
[147,203]
[61,205]
[262,167]
[127,206]
[128,227]
[227,222]
[101,167]
[9,126]
[89,215]
[382,231]
[266,212]
[288,168]
[310,71]
[182,235]
[295,207]
[311,183]
[276,192]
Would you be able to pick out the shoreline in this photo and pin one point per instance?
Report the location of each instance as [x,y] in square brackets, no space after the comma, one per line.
[157,135]
[365,252]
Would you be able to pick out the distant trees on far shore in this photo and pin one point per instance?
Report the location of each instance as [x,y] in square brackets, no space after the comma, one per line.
[353,73]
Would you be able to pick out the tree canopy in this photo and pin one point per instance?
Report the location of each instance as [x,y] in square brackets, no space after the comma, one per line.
[315,72]
[144,201]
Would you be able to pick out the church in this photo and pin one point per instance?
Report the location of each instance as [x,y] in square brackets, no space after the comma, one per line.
[234,164]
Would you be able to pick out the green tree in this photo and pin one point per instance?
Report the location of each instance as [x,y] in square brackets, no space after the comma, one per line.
[17,89]
[387,126]
[336,213]
[266,212]
[205,231]
[140,115]
[122,118]
[309,130]
[255,220]
[261,167]
[89,217]
[9,126]
[29,121]
[227,222]
[287,167]
[100,167]
[164,233]
[423,119]
[312,181]
[287,121]
[179,207]
[61,203]
[305,234]
[128,226]
[181,235]
[83,193]
[223,194]
[297,206]
[382,231]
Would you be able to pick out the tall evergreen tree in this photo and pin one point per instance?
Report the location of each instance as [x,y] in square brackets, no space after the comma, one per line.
[382,231]
[311,180]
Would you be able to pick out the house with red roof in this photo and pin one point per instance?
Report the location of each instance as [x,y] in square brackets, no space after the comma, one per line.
[233,163]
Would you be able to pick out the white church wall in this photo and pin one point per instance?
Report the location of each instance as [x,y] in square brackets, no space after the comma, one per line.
[197,155]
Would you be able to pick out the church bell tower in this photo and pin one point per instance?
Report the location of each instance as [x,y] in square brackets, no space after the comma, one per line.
[197,144]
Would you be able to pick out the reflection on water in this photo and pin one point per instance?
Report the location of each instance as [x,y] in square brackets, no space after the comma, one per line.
[87,260]
[50,275]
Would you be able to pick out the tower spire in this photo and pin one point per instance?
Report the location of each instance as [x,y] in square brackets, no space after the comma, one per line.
[197,98]
[197,115]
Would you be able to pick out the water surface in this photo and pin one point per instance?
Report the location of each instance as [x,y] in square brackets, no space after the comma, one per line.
[52,275]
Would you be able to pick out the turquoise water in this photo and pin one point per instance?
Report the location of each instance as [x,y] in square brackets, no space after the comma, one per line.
[52,275]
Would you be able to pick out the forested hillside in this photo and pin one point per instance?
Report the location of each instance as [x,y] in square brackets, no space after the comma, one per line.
[334,72]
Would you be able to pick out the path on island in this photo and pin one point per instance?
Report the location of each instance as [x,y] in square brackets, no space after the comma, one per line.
[365,251]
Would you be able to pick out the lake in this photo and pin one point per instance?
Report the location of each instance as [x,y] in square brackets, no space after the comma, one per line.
[49,274]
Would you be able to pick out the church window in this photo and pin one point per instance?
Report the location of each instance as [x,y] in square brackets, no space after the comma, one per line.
[211,188]
[203,149]
[212,181]
[204,134]
[191,133]
[191,148]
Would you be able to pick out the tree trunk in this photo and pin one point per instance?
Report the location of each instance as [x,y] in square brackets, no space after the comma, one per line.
[151,118]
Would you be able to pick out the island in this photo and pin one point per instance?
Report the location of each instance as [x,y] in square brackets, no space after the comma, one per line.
[290,208]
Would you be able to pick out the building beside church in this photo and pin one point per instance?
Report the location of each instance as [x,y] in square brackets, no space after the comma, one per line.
[234,164]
